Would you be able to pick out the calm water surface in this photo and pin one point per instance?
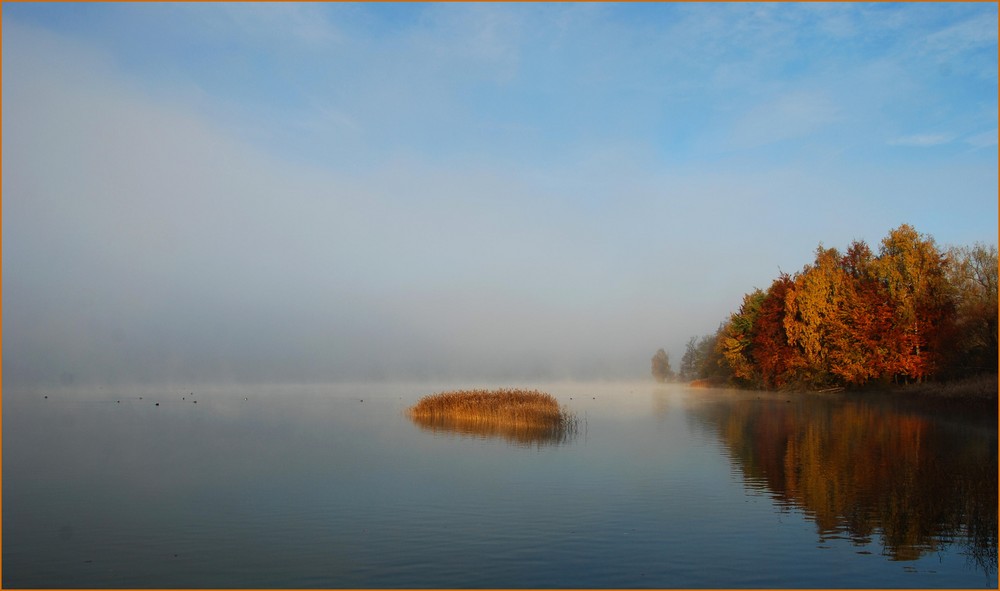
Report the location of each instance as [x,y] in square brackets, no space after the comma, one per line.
[333,486]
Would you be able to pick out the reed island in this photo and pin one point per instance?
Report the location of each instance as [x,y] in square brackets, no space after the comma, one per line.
[524,416]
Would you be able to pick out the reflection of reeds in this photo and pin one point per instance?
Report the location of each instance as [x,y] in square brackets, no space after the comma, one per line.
[520,416]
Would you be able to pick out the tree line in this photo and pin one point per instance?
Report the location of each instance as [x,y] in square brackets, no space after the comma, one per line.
[912,311]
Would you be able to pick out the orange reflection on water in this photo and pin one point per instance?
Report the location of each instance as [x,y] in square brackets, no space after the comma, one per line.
[522,434]
[918,481]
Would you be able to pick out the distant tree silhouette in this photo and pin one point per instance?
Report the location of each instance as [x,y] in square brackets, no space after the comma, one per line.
[662,371]
[703,359]
[689,362]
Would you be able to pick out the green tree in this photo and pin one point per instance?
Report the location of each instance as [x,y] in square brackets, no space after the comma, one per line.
[736,340]
[662,371]
[714,366]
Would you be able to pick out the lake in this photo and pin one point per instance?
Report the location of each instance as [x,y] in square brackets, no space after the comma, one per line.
[333,486]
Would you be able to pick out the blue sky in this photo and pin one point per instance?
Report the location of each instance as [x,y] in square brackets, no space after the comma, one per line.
[332,191]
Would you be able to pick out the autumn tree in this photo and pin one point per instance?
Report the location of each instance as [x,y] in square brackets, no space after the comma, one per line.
[662,371]
[856,317]
[909,313]
[736,340]
[862,337]
[912,269]
[813,311]
[844,319]
[972,274]
[777,361]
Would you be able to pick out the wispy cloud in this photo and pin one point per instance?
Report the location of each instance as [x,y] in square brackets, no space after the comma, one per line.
[970,34]
[985,139]
[287,21]
[921,140]
[785,117]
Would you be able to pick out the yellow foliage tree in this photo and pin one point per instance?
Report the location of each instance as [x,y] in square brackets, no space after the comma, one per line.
[912,269]
[813,312]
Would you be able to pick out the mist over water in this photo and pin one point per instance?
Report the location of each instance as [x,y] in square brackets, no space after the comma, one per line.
[313,217]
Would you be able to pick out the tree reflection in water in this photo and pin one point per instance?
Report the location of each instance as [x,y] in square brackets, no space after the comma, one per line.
[919,481]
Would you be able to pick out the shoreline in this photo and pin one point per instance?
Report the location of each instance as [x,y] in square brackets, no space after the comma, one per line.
[981,388]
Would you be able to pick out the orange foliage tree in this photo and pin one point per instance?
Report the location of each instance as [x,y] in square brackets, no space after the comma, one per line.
[862,335]
[850,318]
[814,307]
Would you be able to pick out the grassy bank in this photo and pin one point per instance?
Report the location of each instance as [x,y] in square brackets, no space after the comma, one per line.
[982,387]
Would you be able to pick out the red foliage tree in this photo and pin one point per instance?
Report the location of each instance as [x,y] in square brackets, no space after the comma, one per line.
[777,361]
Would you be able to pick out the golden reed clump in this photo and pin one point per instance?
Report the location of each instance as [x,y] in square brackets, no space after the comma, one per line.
[520,416]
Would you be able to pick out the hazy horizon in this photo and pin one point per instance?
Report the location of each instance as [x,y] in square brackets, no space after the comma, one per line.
[317,192]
